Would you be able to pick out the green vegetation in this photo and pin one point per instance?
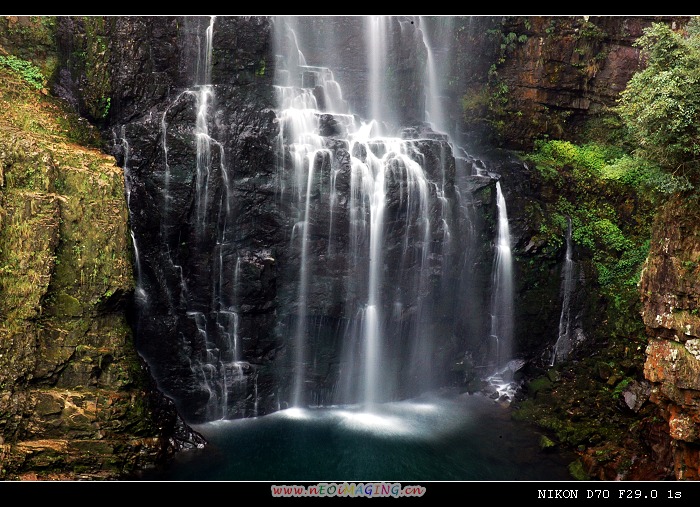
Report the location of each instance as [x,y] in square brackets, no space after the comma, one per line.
[90,58]
[31,39]
[630,161]
[64,248]
[661,105]
[260,70]
[610,204]
[489,104]
[27,70]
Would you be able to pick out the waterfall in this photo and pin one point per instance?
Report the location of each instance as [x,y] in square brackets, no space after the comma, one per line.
[437,34]
[216,368]
[502,300]
[197,243]
[361,180]
[501,334]
[301,331]
[564,343]
[377,84]
[369,283]
[372,317]
[139,291]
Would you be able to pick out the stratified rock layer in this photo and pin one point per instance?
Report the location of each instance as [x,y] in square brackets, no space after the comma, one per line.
[670,288]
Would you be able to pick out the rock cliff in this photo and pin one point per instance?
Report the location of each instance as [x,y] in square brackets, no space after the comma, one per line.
[539,76]
[669,288]
[76,400]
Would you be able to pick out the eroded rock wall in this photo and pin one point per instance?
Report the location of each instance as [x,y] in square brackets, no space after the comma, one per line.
[670,288]
[76,400]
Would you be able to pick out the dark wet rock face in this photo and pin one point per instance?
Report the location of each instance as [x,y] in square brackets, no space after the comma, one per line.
[198,151]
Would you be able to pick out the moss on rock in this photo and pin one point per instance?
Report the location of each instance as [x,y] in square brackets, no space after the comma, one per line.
[76,400]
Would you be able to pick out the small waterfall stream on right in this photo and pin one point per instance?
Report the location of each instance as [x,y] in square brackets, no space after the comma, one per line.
[565,336]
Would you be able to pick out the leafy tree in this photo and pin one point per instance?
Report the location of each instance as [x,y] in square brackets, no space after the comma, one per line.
[661,105]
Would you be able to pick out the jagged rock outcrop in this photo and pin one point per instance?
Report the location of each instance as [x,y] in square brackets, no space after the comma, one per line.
[670,288]
[76,400]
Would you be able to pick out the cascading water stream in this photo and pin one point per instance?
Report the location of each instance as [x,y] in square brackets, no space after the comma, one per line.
[140,293]
[564,343]
[372,317]
[218,369]
[215,359]
[376,36]
[501,335]
[435,70]
[375,163]
[438,34]
[502,302]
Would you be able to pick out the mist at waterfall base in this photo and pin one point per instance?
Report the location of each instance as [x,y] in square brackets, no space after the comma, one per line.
[385,417]
[430,438]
